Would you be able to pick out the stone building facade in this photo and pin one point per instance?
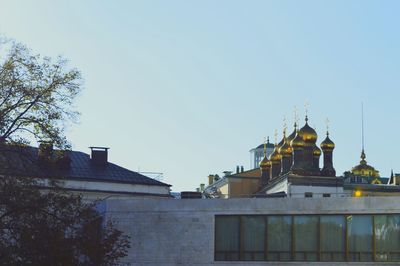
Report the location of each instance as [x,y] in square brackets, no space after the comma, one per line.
[184,232]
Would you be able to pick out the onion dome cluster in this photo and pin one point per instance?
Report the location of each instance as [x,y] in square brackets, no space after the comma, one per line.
[299,154]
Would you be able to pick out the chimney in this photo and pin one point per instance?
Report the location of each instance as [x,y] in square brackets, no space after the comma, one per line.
[210,179]
[99,155]
[45,152]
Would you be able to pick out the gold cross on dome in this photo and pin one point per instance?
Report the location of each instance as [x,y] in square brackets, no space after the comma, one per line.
[327,124]
[296,117]
[306,107]
[284,125]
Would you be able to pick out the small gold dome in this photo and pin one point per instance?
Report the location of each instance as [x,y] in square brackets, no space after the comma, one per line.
[286,150]
[275,157]
[308,133]
[265,163]
[327,144]
[297,142]
[316,151]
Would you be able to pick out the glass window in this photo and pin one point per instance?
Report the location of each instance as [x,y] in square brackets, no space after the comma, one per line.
[359,233]
[253,237]
[387,237]
[306,237]
[227,233]
[279,238]
[332,237]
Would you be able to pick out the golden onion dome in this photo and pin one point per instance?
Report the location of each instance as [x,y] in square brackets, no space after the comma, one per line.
[308,133]
[286,150]
[327,144]
[316,151]
[275,157]
[297,142]
[364,169]
[265,163]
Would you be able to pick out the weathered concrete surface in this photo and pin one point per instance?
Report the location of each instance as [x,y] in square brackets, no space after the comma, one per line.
[181,232]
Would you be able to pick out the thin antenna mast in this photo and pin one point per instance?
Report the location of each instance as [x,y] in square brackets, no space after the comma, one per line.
[362,124]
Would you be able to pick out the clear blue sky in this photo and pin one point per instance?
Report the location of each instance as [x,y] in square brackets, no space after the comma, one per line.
[187,88]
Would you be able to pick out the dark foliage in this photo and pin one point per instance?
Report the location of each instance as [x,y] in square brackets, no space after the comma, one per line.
[53,228]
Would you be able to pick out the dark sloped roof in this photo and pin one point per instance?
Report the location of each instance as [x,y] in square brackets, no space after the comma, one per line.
[24,161]
[269,145]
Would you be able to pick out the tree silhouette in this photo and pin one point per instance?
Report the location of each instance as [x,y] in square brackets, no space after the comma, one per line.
[42,224]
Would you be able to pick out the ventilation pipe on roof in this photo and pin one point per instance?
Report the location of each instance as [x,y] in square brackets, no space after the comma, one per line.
[210,179]
[99,155]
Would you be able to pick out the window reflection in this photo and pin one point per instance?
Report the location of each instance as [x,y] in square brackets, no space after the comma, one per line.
[332,237]
[227,238]
[253,237]
[279,238]
[387,237]
[307,237]
[359,235]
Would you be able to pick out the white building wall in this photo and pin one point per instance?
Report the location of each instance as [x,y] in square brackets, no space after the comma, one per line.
[116,187]
[317,191]
[93,190]
[181,232]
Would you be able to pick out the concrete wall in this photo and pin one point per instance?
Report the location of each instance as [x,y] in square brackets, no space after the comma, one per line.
[242,187]
[181,232]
